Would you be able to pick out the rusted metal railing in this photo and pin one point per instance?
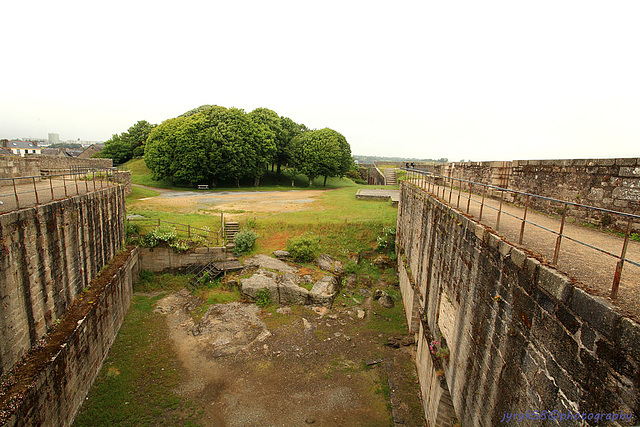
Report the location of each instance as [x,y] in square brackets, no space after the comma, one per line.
[42,188]
[439,185]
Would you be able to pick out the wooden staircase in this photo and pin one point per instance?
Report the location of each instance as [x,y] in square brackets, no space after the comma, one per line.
[231,228]
[390,177]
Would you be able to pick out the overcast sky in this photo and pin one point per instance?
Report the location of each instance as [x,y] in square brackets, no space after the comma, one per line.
[480,80]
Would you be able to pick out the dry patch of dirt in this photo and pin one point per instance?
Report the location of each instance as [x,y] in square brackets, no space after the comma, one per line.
[237,203]
[285,367]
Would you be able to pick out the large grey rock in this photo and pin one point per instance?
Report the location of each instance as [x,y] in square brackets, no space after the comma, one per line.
[265,261]
[323,291]
[282,254]
[328,263]
[252,285]
[282,290]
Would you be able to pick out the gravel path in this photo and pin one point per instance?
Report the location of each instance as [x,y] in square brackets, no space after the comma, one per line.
[591,269]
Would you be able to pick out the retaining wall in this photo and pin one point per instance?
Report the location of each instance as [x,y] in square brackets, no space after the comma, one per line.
[50,387]
[162,258]
[48,255]
[36,165]
[521,337]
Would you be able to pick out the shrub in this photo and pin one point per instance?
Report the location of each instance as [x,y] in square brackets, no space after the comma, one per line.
[244,241]
[350,267]
[263,298]
[303,248]
[159,234]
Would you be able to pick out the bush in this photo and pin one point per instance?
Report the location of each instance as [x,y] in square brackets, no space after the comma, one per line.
[159,234]
[303,248]
[263,298]
[244,241]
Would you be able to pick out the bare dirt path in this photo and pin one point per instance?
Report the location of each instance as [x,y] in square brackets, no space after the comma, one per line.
[591,269]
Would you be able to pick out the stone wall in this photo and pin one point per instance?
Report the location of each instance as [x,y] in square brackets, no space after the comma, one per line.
[56,378]
[612,184]
[162,258]
[65,163]
[36,165]
[520,336]
[48,255]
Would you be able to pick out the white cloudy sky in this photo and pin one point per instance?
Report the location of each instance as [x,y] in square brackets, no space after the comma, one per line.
[481,80]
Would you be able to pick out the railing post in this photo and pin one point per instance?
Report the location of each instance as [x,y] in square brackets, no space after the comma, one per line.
[618,274]
[556,252]
[64,182]
[15,193]
[188,230]
[469,196]
[484,192]
[35,189]
[499,210]
[459,191]
[524,220]
[93,178]
[51,185]
[75,178]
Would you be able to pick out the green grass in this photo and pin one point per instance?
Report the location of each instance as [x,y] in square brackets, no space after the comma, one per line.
[136,384]
[389,321]
[150,282]
[140,193]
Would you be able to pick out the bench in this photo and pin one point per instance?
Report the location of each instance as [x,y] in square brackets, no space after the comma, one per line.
[203,186]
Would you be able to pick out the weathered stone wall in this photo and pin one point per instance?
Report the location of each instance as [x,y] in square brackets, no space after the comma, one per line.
[605,183]
[36,165]
[521,337]
[162,258]
[65,163]
[12,166]
[48,254]
[612,184]
[69,363]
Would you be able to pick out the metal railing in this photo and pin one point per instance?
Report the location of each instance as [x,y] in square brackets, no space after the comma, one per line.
[43,188]
[441,186]
[186,229]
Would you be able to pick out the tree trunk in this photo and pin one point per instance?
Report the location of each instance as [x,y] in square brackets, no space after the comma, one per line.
[278,169]
[237,183]
[310,181]
[256,181]
[325,181]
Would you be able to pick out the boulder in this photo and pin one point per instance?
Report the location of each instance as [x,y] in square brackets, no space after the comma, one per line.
[351,281]
[283,290]
[323,291]
[386,301]
[251,285]
[328,263]
[383,261]
[265,261]
[282,254]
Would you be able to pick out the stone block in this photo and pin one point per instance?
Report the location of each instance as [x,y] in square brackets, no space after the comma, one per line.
[629,171]
[596,194]
[505,248]
[630,161]
[555,283]
[600,314]
[606,162]
[480,231]
[630,338]
[622,193]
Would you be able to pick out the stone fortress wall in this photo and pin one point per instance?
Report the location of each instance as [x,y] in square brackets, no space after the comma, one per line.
[520,336]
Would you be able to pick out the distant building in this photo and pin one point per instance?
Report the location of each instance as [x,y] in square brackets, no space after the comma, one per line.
[54,138]
[21,148]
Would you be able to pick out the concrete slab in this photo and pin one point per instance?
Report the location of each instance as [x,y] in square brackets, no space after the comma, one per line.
[379,194]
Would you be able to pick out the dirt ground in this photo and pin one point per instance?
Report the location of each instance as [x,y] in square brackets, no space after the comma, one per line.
[236,203]
[294,366]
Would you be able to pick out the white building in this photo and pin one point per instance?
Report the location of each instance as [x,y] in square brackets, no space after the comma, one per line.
[22,147]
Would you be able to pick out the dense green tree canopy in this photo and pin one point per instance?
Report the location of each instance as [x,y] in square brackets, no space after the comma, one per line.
[210,144]
[322,152]
[128,144]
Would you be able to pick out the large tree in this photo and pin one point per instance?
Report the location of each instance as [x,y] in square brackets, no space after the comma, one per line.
[129,144]
[210,145]
[322,152]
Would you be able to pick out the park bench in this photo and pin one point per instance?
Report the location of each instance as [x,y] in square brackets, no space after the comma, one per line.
[203,186]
